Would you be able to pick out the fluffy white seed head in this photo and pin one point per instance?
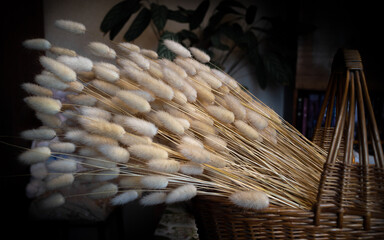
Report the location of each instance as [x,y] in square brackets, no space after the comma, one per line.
[70,26]
[62,147]
[130,139]
[43,105]
[39,170]
[210,79]
[215,142]
[188,68]
[105,87]
[221,114]
[180,194]
[235,106]
[154,182]
[37,90]
[107,175]
[154,198]
[128,47]
[76,136]
[104,73]
[50,121]
[104,191]
[60,181]
[190,92]
[124,198]
[62,166]
[139,59]
[95,112]
[59,69]
[102,127]
[88,152]
[202,128]
[50,81]
[54,200]
[257,120]
[114,153]
[170,123]
[172,78]
[164,165]
[191,168]
[77,63]
[192,141]
[147,152]
[194,153]
[134,101]
[144,94]
[200,55]
[37,44]
[247,130]
[137,125]
[256,200]
[62,51]
[35,188]
[177,48]
[82,99]
[101,50]
[130,182]
[101,163]
[217,161]
[94,140]
[35,155]
[204,94]
[149,53]
[38,134]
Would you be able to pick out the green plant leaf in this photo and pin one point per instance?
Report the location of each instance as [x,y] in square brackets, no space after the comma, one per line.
[162,50]
[198,15]
[159,15]
[178,16]
[250,14]
[117,16]
[139,24]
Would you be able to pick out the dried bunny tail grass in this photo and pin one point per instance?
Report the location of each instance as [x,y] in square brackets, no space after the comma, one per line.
[247,131]
[164,165]
[235,106]
[38,170]
[70,26]
[59,69]
[95,112]
[87,152]
[137,125]
[76,86]
[225,78]
[62,147]
[169,122]
[177,48]
[202,128]
[192,141]
[149,53]
[221,113]
[43,105]
[188,68]
[181,193]
[62,51]
[250,199]
[194,153]
[40,44]
[62,166]
[217,161]
[105,73]
[200,55]
[210,79]
[191,168]
[184,122]
[105,87]
[35,155]
[50,81]
[134,101]
[215,142]
[124,198]
[154,198]
[128,47]
[147,152]
[104,191]
[139,59]
[38,134]
[107,175]
[144,94]
[76,136]
[60,181]
[114,153]
[171,65]
[204,94]
[154,182]
[130,182]
[172,78]
[98,162]
[101,50]
[96,140]
[77,63]
[82,99]
[189,92]
[130,139]
[54,200]
[37,90]
[257,120]
[102,127]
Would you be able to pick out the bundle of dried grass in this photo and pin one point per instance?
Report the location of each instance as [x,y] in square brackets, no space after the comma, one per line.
[162,131]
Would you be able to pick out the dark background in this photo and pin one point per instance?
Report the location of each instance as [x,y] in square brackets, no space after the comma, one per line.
[361,27]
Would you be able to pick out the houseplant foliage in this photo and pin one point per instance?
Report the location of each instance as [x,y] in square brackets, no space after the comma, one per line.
[233,30]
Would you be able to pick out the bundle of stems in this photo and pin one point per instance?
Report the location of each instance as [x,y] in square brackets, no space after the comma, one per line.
[128,125]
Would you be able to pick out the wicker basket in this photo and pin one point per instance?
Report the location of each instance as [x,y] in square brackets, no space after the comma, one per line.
[350,202]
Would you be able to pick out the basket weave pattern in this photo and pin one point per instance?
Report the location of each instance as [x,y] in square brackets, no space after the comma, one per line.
[350,201]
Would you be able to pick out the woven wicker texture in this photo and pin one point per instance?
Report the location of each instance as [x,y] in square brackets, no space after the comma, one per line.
[350,202]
